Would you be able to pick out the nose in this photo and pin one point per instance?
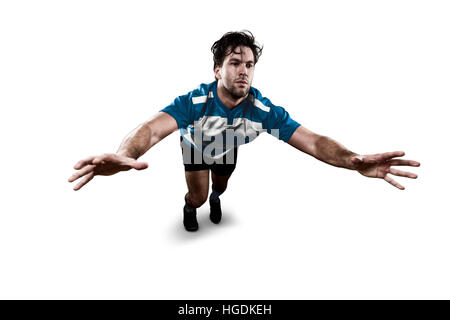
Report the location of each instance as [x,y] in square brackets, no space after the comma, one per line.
[243,69]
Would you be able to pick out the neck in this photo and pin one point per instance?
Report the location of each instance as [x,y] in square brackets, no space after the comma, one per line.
[227,98]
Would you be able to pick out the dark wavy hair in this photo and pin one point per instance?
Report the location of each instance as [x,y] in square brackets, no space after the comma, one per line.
[230,41]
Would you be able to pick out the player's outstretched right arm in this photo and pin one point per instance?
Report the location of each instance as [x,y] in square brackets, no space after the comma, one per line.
[135,144]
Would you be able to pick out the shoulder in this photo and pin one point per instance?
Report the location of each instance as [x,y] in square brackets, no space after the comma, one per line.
[203,89]
[260,101]
[265,106]
[201,93]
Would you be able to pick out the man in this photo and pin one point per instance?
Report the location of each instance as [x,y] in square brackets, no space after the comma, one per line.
[218,117]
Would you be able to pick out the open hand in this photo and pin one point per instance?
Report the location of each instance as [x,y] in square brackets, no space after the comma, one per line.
[106,164]
[379,165]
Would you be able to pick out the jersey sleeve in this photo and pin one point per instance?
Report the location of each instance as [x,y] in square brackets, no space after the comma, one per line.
[280,124]
[181,109]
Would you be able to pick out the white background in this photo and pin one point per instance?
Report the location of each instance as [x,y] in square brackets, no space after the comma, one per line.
[77,76]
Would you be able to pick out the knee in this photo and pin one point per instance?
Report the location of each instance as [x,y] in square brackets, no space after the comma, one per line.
[196,200]
[220,187]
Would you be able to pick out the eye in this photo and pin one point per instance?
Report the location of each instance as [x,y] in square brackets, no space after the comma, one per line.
[249,65]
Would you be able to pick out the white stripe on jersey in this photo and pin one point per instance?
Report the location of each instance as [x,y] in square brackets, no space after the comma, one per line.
[202,99]
[260,105]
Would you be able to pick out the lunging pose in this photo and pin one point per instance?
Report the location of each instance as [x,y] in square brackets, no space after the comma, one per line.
[215,119]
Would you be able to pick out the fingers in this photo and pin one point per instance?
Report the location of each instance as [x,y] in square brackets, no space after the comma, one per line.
[131,162]
[91,160]
[400,162]
[85,180]
[80,164]
[82,172]
[102,158]
[106,164]
[394,183]
[390,155]
[402,173]
[380,157]
[140,165]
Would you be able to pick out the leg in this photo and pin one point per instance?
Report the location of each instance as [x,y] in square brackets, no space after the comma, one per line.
[220,176]
[219,186]
[220,183]
[197,182]
[198,187]
[221,173]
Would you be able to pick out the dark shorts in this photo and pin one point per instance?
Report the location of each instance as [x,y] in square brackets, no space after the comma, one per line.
[193,161]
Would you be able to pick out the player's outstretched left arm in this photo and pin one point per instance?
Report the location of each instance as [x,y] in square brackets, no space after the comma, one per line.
[373,166]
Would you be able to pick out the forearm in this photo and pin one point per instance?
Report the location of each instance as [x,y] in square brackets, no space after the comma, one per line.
[141,139]
[332,152]
[137,142]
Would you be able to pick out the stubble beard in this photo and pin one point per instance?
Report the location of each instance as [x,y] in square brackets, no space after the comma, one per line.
[236,93]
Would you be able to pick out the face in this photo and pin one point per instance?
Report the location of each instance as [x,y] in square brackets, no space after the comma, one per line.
[236,72]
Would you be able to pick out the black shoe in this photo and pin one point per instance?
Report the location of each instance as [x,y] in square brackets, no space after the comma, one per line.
[215,214]
[190,219]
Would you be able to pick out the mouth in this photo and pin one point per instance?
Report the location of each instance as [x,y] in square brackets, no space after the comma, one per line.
[242,82]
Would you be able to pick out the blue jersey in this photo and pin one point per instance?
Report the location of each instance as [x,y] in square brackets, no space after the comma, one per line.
[206,123]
